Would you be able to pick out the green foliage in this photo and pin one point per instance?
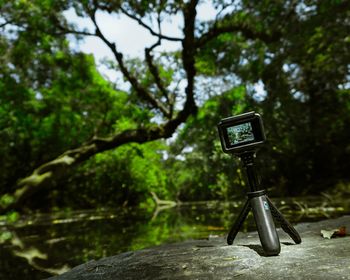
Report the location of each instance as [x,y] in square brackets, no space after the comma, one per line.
[77,105]
[53,99]
[200,170]
[123,176]
[303,67]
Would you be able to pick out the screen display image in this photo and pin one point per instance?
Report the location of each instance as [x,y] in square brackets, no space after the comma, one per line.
[240,133]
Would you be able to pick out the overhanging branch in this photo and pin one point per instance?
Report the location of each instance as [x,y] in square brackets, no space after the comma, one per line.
[143,93]
[5,23]
[139,21]
[155,73]
[231,27]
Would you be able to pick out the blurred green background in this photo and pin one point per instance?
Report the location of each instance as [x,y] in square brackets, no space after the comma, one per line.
[53,99]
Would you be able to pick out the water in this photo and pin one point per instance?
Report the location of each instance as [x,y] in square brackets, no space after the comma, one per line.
[42,245]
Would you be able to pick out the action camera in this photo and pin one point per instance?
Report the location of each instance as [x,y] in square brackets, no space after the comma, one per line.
[241,133]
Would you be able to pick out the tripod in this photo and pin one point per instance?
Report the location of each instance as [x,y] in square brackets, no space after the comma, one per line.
[263,211]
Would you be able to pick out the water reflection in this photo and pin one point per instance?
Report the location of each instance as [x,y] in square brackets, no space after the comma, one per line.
[39,246]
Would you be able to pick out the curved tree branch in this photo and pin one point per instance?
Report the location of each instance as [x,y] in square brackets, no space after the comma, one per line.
[157,79]
[155,73]
[142,92]
[47,174]
[5,23]
[230,27]
[139,21]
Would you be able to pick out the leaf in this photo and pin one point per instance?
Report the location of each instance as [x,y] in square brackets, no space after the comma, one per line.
[327,234]
[339,232]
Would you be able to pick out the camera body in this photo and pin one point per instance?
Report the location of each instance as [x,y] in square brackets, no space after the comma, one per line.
[241,133]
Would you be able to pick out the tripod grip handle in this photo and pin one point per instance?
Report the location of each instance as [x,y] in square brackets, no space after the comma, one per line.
[264,223]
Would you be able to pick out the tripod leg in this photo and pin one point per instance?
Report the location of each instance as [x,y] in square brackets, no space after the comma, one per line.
[238,223]
[285,225]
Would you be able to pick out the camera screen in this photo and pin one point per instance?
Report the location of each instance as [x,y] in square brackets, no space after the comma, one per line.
[240,133]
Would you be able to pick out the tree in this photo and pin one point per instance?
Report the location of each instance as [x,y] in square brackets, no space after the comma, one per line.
[305,76]
[28,23]
[289,46]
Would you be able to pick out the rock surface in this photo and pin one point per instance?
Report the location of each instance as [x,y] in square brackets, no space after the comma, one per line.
[315,258]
